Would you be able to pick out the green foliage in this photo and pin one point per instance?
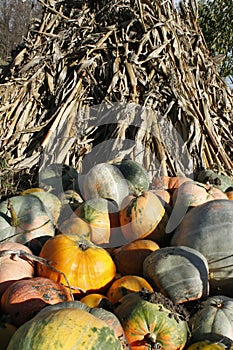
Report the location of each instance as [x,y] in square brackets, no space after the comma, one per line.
[215,19]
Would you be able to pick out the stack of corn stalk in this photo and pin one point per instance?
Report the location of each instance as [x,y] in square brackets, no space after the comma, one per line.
[102,80]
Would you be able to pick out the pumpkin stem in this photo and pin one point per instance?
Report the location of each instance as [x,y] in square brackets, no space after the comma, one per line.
[151,338]
[14,217]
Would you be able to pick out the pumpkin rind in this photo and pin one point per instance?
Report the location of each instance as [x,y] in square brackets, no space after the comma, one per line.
[146,324]
[208,228]
[78,329]
[85,265]
[180,273]
[135,174]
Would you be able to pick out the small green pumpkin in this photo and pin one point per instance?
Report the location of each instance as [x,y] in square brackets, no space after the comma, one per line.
[217,179]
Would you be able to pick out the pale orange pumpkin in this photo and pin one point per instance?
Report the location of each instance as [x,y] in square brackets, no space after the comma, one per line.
[14,267]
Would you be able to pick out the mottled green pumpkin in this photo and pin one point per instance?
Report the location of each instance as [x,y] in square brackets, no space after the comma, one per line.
[150,325]
[68,328]
[217,179]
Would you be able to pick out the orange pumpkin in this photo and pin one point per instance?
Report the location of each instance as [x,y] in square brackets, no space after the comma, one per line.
[75,226]
[229,194]
[125,285]
[87,267]
[163,195]
[129,258]
[140,216]
[169,183]
[24,298]
[14,268]
[97,300]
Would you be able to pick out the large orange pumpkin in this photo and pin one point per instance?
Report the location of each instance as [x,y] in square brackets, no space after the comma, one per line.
[87,267]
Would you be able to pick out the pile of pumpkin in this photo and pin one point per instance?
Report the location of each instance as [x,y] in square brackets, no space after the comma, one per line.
[111,260]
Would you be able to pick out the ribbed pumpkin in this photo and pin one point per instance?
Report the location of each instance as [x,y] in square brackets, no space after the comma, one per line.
[104,180]
[78,329]
[215,316]
[129,258]
[135,174]
[75,225]
[140,216]
[208,228]
[180,273]
[23,218]
[169,183]
[24,298]
[151,325]
[85,265]
[125,285]
[14,268]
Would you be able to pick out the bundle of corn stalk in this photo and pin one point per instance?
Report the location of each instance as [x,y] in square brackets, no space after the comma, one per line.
[97,81]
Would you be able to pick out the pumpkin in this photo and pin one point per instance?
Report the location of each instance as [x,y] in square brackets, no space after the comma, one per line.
[135,174]
[163,195]
[87,267]
[76,226]
[95,213]
[193,193]
[23,218]
[140,216]
[13,267]
[149,324]
[125,285]
[102,314]
[215,316]
[24,298]
[169,183]
[218,180]
[129,257]
[206,345]
[6,332]
[51,203]
[78,329]
[180,273]
[95,300]
[208,339]
[104,180]
[58,177]
[208,228]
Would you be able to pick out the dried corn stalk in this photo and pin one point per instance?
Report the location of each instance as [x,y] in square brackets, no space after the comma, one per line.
[135,74]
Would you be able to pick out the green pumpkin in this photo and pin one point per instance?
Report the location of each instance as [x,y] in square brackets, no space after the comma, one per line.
[208,228]
[180,273]
[215,316]
[151,325]
[135,174]
[66,328]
